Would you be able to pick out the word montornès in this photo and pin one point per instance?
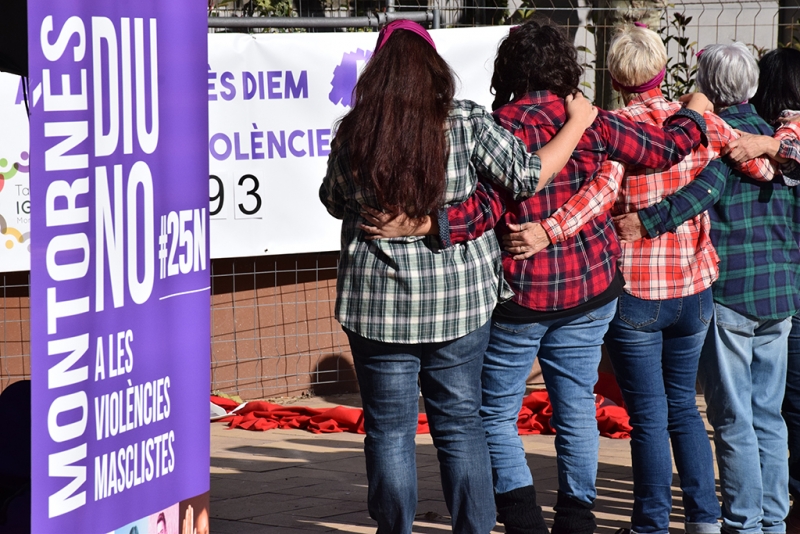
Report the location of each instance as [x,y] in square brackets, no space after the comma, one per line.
[116,63]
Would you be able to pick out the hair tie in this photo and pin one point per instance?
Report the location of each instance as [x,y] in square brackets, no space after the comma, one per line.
[643,88]
[403,24]
[700,53]
[640,24]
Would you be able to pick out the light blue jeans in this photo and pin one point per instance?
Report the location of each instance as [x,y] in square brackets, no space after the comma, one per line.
[743,370]
[569,353]
[654,346]
[390,376]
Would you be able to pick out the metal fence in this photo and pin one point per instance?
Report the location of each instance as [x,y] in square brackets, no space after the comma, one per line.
[272,327]
[273,331]
[15,328]
[762,25]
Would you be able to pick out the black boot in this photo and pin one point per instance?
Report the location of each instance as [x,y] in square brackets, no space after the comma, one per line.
[573,516]
[518,511]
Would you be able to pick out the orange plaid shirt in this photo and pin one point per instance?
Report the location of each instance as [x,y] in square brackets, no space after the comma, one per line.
[675,264]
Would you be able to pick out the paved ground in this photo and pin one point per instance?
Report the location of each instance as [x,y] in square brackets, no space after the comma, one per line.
[291,481]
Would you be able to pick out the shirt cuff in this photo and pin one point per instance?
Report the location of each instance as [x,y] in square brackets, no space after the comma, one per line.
[444,228]
[790,170]
[788,149]
[651,220]
[553,230]
[698,119]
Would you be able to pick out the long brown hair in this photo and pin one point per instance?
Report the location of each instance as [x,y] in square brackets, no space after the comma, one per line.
[395,134]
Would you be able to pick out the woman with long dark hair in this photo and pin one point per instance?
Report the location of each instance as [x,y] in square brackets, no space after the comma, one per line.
[416,314]
[565,296]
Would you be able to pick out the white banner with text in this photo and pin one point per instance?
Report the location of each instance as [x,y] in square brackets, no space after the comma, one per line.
[273,103]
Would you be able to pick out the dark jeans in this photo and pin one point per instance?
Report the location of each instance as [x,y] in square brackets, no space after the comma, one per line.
[390,376]
[654,346]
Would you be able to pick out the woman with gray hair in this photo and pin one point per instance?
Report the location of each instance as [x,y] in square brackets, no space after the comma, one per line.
[755,296]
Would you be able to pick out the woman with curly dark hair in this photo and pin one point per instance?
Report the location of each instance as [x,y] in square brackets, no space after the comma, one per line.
[564,297]
[416,315]
[553,68]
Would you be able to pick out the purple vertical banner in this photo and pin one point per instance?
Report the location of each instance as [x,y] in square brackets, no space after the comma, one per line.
[119,262]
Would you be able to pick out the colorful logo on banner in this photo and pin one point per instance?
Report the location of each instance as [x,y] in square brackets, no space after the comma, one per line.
[120,309]
[345,76]
[8,171]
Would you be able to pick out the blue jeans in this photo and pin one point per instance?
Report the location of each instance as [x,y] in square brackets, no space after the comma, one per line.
[654,346]
[791,407]
[569,353]
[449,376]
[742,366]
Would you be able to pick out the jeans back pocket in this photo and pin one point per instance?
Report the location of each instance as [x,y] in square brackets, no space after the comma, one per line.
[637,312]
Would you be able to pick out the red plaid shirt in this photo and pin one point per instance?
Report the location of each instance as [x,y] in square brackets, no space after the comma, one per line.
[571,272]
[684,262]
[652,269]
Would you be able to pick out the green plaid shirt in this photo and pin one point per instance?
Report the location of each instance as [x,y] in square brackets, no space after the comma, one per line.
[752,228]
[411,290]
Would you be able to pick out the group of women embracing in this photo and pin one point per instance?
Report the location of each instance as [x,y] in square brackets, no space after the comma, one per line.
[667,230]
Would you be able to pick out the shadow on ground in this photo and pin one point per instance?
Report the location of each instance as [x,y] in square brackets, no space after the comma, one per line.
[287,481]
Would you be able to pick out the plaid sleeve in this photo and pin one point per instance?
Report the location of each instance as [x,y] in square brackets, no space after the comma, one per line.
[503,158]
[788,134]
[649,146]
[687,202]
[330,193]
[761,169]
[595,197]
[720,134]
[473,217]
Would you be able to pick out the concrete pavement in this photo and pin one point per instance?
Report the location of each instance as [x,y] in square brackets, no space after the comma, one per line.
[293,481]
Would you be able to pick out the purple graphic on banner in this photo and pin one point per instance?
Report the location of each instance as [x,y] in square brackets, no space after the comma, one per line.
[119,264]
[345,76]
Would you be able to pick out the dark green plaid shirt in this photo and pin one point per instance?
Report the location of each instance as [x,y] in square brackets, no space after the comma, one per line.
[413,290]
[752,228]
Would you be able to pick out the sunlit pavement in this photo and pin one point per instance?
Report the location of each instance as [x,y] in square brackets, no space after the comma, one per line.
[293,481]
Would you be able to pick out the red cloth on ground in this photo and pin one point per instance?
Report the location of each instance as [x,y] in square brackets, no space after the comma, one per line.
[534,417]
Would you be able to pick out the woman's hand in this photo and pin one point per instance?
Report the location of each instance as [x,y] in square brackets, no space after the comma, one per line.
[386,225]
[525,240]
[697,102]
[581,109]
[629,227]
[749,146]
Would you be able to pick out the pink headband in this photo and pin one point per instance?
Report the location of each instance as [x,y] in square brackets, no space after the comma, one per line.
[402,25]
[652,84]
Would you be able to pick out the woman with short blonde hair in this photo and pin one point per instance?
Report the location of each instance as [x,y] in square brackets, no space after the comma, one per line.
[636,56]
[655,340]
